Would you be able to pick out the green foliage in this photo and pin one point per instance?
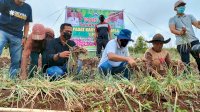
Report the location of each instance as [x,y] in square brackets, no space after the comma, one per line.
[140,45]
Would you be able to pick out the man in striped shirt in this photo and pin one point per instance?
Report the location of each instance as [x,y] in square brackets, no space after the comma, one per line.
[102,35]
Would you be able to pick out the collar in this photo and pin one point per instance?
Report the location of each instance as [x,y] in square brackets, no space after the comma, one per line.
[59,41]
[180,16]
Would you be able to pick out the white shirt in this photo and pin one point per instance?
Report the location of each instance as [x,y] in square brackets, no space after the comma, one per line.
[113,47]
[74,21]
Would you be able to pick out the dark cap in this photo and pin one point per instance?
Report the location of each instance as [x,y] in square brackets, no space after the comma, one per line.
[159,38]
[179,3]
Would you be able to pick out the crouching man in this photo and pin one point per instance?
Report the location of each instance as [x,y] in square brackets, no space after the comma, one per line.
[116,55]
[158,59]
[58,52]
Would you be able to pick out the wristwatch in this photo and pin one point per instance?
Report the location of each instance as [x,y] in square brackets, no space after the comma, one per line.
[58,55]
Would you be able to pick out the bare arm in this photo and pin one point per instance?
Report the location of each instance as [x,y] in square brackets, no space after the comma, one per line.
[196,24]
[25,58]
[26,29]
[175,31]
[117,58]
[95,36]
[110,35]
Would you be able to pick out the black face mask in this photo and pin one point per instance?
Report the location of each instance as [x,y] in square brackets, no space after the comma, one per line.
[67,35]
[124,43]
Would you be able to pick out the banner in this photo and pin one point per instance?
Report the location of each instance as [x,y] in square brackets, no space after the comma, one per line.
[84,20]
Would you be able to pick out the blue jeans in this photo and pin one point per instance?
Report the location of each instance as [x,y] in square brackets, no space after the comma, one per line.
[106,68]
[15,49]
[57,71]
[34,62]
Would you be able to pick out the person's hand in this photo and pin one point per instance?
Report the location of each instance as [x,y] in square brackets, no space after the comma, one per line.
[65,54]
[131,62]
[199,55]
[183,31]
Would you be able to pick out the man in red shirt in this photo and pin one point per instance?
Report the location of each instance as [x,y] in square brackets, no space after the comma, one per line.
[102,35]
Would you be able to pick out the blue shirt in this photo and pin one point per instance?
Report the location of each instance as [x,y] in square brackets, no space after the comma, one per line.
[14,17]
[184,21]
[55,46]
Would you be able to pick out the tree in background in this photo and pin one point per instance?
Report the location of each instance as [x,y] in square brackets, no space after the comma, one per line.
[140,45]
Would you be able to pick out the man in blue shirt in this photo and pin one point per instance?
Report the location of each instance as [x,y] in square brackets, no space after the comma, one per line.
[182,26]
[14,25]
[58,52]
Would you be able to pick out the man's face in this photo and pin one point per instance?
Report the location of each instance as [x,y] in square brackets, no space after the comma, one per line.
[19,2]
[123,42]
[66,32]
[67,29]
[157,46]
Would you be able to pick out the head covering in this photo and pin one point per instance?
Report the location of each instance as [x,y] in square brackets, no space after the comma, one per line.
[124,34]
[159,38]
[50,32]
[38,32]
[179,3]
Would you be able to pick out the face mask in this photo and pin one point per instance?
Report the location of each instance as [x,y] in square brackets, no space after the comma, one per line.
[67,35]
[124,43]
[180,10]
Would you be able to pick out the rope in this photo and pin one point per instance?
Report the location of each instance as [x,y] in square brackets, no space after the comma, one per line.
[55,12]
[58,18]
[135,26]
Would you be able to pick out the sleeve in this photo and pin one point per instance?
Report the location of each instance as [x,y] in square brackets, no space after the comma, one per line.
[193,19]
[50,50]
[171,21]
[110,48]
[71,43]
[2,5]
[29,18]
[148,58]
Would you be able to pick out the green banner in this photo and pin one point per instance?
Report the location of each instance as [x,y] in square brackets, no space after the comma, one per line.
[84,20]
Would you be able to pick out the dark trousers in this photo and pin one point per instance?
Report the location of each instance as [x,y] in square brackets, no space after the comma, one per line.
[34,62]
[185,50]
[101,43]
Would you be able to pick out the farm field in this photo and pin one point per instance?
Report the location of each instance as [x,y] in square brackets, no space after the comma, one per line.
[90,91]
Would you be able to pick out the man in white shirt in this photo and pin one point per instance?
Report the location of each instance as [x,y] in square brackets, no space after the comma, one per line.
[116,55]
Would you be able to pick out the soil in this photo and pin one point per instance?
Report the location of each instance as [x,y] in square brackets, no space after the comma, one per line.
[4,62]
[56,102]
